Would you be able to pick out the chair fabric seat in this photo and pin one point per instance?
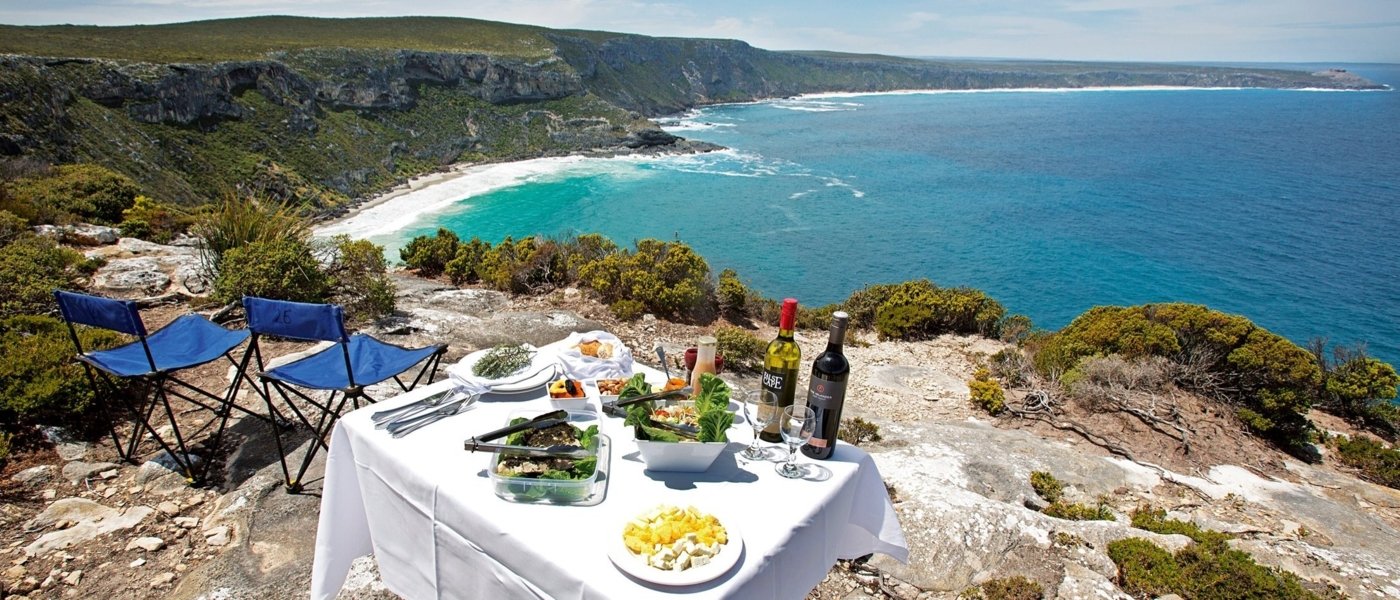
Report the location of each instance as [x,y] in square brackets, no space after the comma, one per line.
[186,342]
[373,360]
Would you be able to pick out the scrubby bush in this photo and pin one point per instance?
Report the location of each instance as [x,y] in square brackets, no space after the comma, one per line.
[40,383]
[811,317]
[358,278]
[667,277]
[920,310]
[1047,486]
[1373,459]
[282,270]
[1016,328]
[526,265]
[1012,366]
[741,350]
[1360,389]
[856,431]
[68,193]
[31,268]
[155,221]
[236,221]
[986,392]
[1208,568]
[429,254]
[1074,511]
[627,310]
[583,250]
[732,294]
[465,267]
[12,227]
[1219,355]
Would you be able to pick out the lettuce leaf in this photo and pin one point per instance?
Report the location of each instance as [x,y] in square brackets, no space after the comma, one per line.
[588,438]
[517,438]
[713,393]
[636,386]
[714,423]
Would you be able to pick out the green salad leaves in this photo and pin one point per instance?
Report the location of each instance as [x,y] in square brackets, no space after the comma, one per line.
[711,404]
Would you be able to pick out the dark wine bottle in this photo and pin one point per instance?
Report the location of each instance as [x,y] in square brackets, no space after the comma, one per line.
[826,391]
[780,365]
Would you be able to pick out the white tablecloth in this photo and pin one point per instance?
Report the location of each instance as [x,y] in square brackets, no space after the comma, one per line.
[428,512]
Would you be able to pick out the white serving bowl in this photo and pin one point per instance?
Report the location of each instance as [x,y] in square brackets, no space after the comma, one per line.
[682,457]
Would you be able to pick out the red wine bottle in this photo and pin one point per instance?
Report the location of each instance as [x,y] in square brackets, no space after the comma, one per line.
[826,390]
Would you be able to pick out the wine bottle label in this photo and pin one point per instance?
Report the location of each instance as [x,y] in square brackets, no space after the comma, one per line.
[825,394]
[818,442]
[773,381]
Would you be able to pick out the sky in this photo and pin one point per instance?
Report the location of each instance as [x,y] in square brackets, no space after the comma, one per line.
[1135,30]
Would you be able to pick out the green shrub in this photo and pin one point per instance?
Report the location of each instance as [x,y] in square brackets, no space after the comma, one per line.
[155,221]
[67,193]
[856,431]
[359,280]
[1360,389]
[31,268]
[1220,355]
[986,392]
[40,382]
[4,448]
[1016,328]
[429,254]
[1073,511]
[864,303]
[815,317]
[235,222]
[732,293]
[667,277]
[526,265]
[1156,521]
[583,250]
[627,310]
[1047,486]
[465,267]
[282,270]
[12,227]
[1375,461]
[1199,571]
[920,310]
[1016,587]
[741,350]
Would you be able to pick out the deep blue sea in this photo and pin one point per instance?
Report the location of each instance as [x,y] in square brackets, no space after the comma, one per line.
[1283,206]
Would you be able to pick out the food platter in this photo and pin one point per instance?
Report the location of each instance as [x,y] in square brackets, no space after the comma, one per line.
[636,566]
[541,370]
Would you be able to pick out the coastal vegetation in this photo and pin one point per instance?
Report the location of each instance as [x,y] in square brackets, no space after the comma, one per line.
[1208,568]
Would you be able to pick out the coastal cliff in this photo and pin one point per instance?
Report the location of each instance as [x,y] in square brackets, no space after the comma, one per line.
[324,110]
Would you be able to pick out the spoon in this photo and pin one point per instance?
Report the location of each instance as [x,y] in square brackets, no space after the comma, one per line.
[661,354]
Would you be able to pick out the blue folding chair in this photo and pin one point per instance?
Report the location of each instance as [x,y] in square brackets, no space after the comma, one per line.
[153,361]
[344,369]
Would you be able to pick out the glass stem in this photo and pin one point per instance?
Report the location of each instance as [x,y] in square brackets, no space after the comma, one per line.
[792,454]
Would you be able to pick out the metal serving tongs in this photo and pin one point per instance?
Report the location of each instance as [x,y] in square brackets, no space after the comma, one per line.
[481,442]
[616,409]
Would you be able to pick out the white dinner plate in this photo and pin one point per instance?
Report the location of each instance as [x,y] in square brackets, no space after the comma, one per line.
[540,371]
[636,566]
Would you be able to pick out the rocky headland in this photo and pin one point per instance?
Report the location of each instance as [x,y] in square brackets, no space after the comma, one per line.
[75,523]
[326,110]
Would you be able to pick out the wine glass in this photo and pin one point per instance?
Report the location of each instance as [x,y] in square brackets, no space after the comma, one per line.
[760,406]
[797,425]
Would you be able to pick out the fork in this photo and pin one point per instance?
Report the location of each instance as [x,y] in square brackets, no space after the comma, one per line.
[404,427]
[383,417]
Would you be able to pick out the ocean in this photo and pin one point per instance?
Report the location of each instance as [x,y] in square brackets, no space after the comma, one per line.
[1282,206]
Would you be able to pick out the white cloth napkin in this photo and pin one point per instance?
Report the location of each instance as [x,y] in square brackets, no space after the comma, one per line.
[580,366]
[463,380]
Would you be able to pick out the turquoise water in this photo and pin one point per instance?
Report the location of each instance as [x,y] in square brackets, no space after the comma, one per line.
[1283,206]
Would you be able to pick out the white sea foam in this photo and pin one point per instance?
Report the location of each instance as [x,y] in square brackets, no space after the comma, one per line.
[399,210]
[1122,88]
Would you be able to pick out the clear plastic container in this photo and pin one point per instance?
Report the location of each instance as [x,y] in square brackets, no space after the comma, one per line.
[557,491]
